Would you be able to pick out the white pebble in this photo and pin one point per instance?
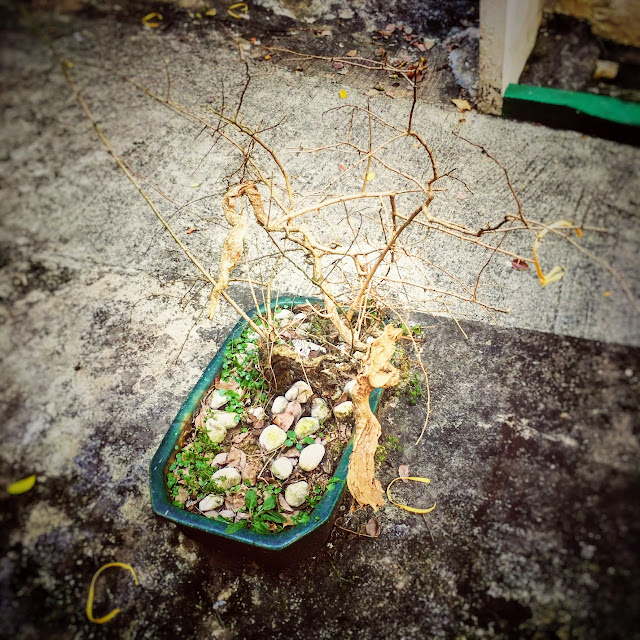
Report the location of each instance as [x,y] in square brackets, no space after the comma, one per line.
[226,478]
[311,457]
[227,419]
[258,413]
[320,409]
[285,315]
[279,405]
[282,468]
[295,494]
[218,399]
[210,502]
[343,410]
[306,426]
[272,437]
[217,432]
[299,391]
[348,388]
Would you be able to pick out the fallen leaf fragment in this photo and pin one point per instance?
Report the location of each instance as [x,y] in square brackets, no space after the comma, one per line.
[283,503]
[112,614]
[22,486]
[268,56]
[211,12]
[404,506]
[607,293]
[191,230]
[519,265]
[557,272]
[338,65]
[242,8]
[403,472]
[373,527]
[377,372]
[463,105]
[352,53]
[343,94]
[152,20]
[370,176]
[606,69]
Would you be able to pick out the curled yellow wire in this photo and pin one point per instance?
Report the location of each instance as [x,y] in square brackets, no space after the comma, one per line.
[148,20]
[404,506]
[112,614]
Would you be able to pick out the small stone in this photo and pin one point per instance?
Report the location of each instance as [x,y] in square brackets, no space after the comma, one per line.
[210,502]
[279,405]
[272,437]
[218,399]
[307,426]
[606,69]
[227,513]
[299,391]
[295,494]
[358,355]
[217,432]
[282,468]
[285,315]
[343,410]
[429,43]
[258,413]
[227,419]
[320,409]
[311,457]
[349,387]
[220,459]
[226,478]
[305,347]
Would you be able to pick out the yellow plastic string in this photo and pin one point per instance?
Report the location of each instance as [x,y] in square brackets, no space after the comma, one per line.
[404,506]
[112,614]
[240,6]
[557,272]
[21,486]
[147,20]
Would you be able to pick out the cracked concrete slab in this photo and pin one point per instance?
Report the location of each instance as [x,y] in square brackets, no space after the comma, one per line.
[533,446]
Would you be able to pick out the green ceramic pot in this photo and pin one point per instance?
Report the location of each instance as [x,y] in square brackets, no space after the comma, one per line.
[165,455]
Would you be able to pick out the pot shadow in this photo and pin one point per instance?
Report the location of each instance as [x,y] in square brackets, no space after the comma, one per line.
[223,553]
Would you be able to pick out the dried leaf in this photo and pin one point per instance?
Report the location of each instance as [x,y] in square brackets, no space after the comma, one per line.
[236,458]
[291,453]
[284,504]
[420,46]
[403,472]
[152,20]
[519,265]
[377,372]
[373,527]
[390,28]
[233,244]
[371,93]
[239,437]
[463,105]
[22,486]
[343,94]
[220,459]
[352,53]
[404,506]
[249,472]
[210,13]
[182,495]
[112,614]
[191,230]
[231,384]
[284,420]
[370,176]
[267,57]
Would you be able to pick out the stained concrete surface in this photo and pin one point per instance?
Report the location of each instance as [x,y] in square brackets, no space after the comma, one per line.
[533,445]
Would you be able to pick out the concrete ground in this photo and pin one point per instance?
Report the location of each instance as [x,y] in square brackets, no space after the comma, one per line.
[533,447]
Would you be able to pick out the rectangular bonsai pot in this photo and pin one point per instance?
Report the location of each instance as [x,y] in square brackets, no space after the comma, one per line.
[165,455]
